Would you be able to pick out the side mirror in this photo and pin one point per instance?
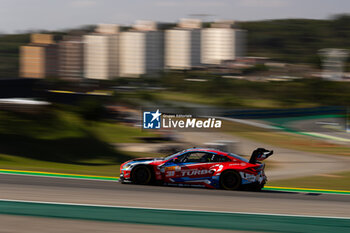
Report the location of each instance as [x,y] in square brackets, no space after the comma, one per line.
[176,160]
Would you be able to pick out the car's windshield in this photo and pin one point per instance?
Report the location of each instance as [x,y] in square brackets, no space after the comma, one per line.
[239,157]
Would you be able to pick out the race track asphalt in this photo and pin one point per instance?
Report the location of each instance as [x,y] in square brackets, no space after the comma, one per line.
[31,188]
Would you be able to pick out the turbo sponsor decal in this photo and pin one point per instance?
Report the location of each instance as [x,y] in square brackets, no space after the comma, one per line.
[194,172]
[184,173]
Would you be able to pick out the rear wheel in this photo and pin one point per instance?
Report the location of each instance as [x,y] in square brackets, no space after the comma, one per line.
[230,180]
[141,175]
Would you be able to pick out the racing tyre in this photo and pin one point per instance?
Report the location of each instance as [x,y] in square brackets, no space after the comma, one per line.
[141,175]
[230,180]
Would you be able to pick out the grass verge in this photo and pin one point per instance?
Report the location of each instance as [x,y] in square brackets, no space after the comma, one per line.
[19,163]
[223,100]
[285,139]
[336,181]
[118,133]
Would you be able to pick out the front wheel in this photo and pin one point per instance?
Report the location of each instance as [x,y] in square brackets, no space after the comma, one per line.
[230,180]
[141,175]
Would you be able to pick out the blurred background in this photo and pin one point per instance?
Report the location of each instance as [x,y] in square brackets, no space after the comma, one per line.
[71,99]
[75,76]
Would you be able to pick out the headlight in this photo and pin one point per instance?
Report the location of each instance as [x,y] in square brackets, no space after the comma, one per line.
[126,166]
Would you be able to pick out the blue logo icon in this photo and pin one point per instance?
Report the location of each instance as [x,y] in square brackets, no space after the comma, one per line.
[151,120]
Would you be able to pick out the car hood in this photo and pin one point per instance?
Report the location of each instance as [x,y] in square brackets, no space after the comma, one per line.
[143,160]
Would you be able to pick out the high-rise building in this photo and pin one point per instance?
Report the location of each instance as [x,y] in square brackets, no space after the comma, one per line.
[222,42]
[101,53]
[39,58]
[71,57]
[183,45]
[141,50]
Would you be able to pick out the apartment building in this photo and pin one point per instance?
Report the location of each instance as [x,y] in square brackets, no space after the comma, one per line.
[71,57]
[183,45]
[222,42]
[141,50]
[39,58]
[101,53]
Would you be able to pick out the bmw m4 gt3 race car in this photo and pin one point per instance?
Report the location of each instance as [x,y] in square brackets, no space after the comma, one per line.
[199,167]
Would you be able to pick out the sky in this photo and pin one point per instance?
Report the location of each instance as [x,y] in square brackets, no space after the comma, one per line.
[24,15]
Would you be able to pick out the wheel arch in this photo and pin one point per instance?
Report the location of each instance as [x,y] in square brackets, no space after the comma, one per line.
[150,167]
[231,170]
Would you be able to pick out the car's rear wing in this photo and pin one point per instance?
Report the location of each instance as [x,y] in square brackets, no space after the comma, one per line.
[260,154]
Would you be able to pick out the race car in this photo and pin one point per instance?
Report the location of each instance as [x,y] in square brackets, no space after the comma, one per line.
[205,167]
